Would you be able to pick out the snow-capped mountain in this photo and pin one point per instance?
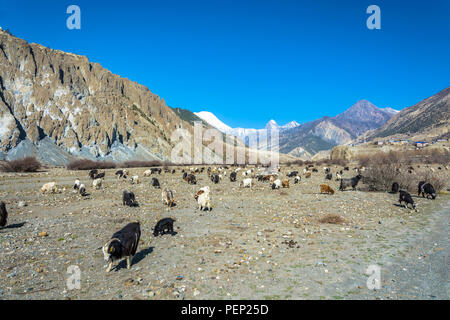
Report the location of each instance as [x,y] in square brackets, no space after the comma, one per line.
[213,120]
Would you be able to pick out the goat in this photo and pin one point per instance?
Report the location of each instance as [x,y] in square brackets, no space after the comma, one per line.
[191,179]
[426,189]
[406,198]
[121,174]
[99,176]
[3,214]
[147,173]
[297,179]
[82,190]
[285,183]
[134,179]
[49,187]
[329,176]
[308,174]
[215,178]
[233,176]
[292,174]
[203,200]
[338,176]
[97,183]
[76,185]
[92,173]
[164,226]
[155,183]
[395,187]
[353,182]
[128,199]
[167,197]
[123,244]
[324,188]
[276,184]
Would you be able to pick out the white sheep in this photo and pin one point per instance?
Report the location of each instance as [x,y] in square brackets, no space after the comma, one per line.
[49,187]
[203,201]
[97,183]
[246,183]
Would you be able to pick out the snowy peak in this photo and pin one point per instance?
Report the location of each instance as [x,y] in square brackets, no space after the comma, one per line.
[290,125]
[213,121]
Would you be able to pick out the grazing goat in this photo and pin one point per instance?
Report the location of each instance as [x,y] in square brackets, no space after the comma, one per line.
[76,185]
[246,183]
[395,187]
[326,169]
[97,183]
[191,179]
[233,176]
[315,170]
[308,174]
[92,173]
[203,200]
[406,198]
[123,244]
[426,189]
[155,183]
[167,197]
[292,174]
[297,179]
[353,182]
[128,199]
[164,226]
[3,214]
[49,187]
[147,173]
[134,179]
[285,183]
[99,176]
[329,176]
[201,191]
[276,184]
[324,188]
[82,190]
[215,178]
[121,174]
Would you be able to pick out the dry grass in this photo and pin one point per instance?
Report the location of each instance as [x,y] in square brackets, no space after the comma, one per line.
[333,219]
[28,164]
[85,164]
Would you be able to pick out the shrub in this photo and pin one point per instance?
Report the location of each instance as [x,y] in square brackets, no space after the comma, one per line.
[85,164]
[333,219]
[28,164]
[140,164]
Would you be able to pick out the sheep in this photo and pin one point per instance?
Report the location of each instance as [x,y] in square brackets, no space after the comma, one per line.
[324,188]
[246,183]
[76,184]
[155,183]
[123,244]
[82,190]
[49,187]
[276,184]
[167,197]
[297,179]
[406,198]
[395,187]
[164,226]
[3,215]
[134,179]
[233,176]
[129,199]
[147,173]
[426,189]
[353,182]
[285,183]
[329,176]
[97,183]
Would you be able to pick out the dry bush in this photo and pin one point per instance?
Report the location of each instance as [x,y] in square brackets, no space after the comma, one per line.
[28,164]
[333,219]
[142,164]
[438,180]
[85,164]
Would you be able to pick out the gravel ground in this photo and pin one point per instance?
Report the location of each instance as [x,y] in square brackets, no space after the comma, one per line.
[255,244]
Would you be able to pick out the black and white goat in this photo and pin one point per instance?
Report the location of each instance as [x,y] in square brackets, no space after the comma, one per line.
[406,198]
[426,189]
[155,183]
[233,176]
[123,244]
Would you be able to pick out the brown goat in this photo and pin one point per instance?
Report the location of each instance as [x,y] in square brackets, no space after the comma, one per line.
[324,188]
[285,183]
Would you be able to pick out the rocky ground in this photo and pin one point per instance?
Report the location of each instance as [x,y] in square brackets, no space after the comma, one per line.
[255,244]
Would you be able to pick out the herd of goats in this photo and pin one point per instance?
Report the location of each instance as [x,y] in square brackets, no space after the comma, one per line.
[124,243]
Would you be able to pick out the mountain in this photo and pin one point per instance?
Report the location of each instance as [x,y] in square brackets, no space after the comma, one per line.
[57,106]
[430,118]
[305,140]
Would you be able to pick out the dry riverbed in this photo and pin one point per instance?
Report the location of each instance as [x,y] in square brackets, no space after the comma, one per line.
[255,244]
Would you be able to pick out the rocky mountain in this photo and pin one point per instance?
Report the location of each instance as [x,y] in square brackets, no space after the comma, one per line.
[430,118]
[305,140]
[58,105]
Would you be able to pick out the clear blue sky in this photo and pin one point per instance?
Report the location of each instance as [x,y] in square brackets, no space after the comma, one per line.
[251,61]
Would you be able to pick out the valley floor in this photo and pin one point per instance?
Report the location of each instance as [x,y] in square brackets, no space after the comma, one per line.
[255,244]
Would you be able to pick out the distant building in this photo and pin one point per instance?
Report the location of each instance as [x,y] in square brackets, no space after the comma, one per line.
[420,144]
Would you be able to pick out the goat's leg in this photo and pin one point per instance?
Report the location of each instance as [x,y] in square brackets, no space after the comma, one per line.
[128,262]
[109,267]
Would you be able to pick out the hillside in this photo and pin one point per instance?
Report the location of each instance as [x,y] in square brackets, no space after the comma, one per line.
[57,105]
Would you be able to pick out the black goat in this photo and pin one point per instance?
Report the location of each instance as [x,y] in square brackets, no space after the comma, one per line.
[155,183]
[3,215]
[128,199]
[164,226]
[292,174]
[233,176]
[353,182]
[406,198]
[215,178]
[123,244]
[395,187]
[329,176]
[92,173]
[426,189]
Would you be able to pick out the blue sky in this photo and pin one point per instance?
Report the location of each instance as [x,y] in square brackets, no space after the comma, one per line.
[252,61]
